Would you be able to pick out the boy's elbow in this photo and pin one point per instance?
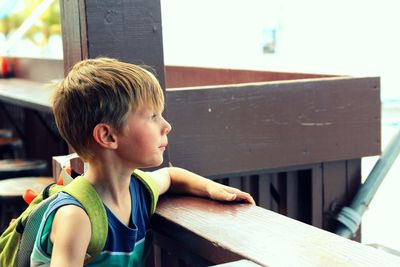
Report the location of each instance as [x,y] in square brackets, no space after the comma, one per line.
[163,180]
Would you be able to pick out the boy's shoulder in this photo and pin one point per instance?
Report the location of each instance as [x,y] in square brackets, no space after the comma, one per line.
[146,179]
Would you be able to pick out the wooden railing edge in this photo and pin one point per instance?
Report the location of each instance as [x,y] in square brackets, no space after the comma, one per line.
[210,232]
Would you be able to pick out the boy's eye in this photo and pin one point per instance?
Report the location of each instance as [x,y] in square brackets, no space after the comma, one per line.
[153,116]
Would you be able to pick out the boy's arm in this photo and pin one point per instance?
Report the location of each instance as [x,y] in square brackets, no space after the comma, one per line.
[70,234]
[178,180]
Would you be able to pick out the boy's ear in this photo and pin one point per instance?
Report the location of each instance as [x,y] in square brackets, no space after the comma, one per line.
[104,135]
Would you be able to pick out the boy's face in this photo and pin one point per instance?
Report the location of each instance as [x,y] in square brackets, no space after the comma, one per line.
[143,138]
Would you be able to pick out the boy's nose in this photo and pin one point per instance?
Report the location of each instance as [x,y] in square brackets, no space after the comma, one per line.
[167,127]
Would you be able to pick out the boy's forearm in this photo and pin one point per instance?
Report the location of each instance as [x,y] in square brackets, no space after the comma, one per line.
[184,181]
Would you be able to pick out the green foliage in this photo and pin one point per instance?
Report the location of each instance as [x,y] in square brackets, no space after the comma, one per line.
[48,24]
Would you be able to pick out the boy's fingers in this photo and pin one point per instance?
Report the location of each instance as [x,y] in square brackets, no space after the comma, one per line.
[246,197]
[239,195]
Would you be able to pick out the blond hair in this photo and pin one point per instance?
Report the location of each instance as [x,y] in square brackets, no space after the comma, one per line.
[101,90]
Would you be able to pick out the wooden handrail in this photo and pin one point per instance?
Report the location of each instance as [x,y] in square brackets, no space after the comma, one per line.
[211,232]
[202,232]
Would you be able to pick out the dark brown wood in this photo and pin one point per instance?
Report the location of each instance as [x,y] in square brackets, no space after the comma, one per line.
[335,190]
[26,108]
[183,76]
[73,24]
[233,129]
[128,30]
[341,181]
[11,201]
[317,195]
[26,94]
[353,175]
[20,168]
[222,232]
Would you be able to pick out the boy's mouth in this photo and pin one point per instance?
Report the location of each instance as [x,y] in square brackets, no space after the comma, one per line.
[163,146]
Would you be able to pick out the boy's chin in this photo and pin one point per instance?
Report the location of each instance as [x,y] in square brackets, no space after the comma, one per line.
[155,164]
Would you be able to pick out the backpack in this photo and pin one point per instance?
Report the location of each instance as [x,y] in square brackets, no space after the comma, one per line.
[17,241]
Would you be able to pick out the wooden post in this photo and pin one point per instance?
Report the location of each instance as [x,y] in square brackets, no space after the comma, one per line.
[127,30]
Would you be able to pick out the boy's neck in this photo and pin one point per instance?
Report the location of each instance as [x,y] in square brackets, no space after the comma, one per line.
[113,189]
[110,181]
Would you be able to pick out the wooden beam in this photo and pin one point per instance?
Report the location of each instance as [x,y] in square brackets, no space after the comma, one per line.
[247,127]
[223,232]
[127,30]
[182,76]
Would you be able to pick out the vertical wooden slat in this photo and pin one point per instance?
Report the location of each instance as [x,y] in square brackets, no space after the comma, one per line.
[73,24]
[317,192]
[292,195]
[235,182]
[334,188]
[264,198]
[353,184]
[304,204]
[245,183]
[274,192]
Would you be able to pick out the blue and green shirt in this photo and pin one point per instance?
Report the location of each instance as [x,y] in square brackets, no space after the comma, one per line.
[125,245]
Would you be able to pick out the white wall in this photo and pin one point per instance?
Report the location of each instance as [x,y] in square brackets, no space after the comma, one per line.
[346,37]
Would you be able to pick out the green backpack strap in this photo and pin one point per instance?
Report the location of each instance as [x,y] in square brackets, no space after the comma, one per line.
[84,192]
[150,185]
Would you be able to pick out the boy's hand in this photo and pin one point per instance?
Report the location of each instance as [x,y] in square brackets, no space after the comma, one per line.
[221,192]
[178,180]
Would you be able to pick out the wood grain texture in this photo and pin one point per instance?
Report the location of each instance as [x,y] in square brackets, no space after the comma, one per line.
[128,30]
[233,231]
[240,128]
[73,25]
[184,76]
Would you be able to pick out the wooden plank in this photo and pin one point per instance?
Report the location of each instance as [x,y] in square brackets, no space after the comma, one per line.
[235,182]
[177,253]
[127,30]
[264,197]
[317,197]
[353,177]
[222,233]
[73,26]
[250,127]
[341,180]
[292,195]
[334,191]
[42,140]
[182,76]
[27,94]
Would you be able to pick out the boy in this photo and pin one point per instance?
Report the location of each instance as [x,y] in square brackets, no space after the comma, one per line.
[109,112]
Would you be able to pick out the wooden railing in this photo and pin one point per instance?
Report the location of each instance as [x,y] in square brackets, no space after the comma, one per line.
[295,145]
[193,231]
